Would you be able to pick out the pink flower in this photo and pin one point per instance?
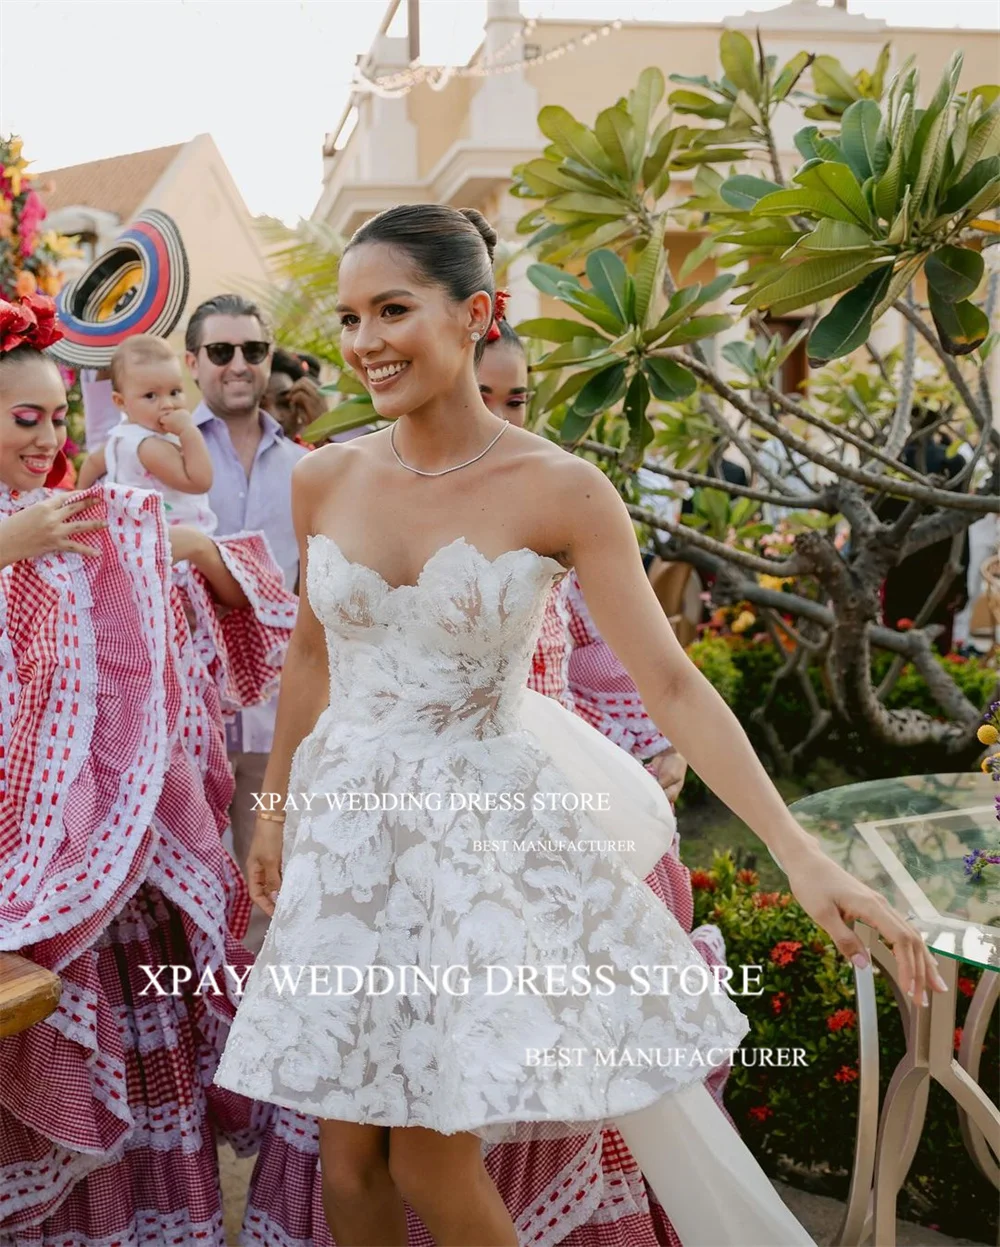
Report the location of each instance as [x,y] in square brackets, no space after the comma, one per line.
[32,215]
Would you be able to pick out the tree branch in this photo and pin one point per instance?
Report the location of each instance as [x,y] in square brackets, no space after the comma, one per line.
[900,488]
[904,401]
[950,367]
[795,566]
[814,501]
[796,409]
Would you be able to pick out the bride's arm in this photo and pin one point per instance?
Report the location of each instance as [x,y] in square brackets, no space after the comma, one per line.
[303,696]
[597,535]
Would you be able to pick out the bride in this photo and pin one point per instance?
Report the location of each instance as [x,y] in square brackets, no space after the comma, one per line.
[429,549]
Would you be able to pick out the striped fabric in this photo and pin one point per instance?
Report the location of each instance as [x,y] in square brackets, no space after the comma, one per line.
[114,787]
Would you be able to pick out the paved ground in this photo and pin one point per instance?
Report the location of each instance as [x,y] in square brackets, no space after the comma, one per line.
[820,1216]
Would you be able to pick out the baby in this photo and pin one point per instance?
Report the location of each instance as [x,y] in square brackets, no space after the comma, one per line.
[156,445]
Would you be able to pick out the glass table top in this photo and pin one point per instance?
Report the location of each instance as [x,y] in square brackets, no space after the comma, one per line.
[907,838]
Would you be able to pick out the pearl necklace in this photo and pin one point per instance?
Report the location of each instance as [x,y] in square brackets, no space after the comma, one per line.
[443,471]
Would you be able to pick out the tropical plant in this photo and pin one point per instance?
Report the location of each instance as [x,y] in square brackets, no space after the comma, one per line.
[887,192]
[300,302]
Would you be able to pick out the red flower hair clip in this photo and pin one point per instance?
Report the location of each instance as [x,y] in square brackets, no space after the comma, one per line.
[31,322]
[500,300]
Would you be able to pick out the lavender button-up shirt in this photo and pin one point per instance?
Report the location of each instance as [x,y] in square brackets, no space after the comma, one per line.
[260,503]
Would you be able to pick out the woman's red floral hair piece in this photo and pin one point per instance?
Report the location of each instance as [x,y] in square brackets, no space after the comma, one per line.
[30,322]
[499,308]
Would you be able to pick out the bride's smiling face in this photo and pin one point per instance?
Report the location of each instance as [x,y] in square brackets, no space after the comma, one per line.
[32,420]
[404,336]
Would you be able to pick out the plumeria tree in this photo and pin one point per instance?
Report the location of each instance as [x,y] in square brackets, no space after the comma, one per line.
[888,198]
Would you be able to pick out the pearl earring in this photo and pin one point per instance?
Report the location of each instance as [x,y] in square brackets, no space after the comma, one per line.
[476,335]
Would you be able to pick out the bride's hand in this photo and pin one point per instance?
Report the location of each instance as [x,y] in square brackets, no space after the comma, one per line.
[264,864]
[834,899]
[46,527]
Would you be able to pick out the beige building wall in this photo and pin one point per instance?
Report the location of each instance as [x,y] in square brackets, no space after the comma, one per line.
[441,119]
[198,191]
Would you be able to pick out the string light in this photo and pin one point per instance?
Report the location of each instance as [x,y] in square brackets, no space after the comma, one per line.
[437,77]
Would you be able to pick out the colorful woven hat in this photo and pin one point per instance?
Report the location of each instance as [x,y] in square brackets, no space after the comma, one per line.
[140,285]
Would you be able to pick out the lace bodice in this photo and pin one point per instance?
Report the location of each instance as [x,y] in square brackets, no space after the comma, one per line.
[447,657]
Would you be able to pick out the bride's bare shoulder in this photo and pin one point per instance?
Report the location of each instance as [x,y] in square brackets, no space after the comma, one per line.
[324,466]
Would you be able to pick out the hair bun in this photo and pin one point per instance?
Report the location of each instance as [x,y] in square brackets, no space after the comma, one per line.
[486,230]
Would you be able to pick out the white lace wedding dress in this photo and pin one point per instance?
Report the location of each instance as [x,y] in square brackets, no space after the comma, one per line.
[428,707]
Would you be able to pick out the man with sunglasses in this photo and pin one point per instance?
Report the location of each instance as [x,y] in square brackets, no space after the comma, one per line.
[229,352]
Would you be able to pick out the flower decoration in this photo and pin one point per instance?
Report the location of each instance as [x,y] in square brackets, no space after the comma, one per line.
[30,256]
[31,322]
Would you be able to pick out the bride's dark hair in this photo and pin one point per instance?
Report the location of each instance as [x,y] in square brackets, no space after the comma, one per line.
[449,247]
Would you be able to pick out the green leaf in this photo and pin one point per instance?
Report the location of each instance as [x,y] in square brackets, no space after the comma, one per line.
[984,139]
[549,329]
[961,326]
[615,132]
[668,380]
[835,236]
[858,134]
[848,324]
[644,100]
[697,256]
[807,283]
[797,200]
[931,162]
[900,282]
[744,190]
[742,356]
[551,280]
[739,61]
[662,148]
[601,392]
[697,328]
[580,352]
[353,413]
[830,178]
[634,411]
[593,308]
[889,187]
[982,174]
[954,273]
[587,203]
[699,105]
[575,426]
[607,276]
[790,74]
[648,274]
[573,139]
[831,79]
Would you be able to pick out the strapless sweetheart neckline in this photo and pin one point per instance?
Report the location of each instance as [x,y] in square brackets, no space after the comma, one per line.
[429,562]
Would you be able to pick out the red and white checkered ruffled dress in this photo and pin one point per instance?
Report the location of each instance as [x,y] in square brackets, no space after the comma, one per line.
[113,790]
[581,1191]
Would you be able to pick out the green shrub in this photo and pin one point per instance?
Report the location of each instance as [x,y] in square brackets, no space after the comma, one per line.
[714,658]
[807,1116]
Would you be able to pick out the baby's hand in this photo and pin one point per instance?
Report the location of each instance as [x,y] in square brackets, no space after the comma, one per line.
[177,421]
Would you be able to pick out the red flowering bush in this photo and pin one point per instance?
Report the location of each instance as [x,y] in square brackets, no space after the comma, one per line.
[800,1121]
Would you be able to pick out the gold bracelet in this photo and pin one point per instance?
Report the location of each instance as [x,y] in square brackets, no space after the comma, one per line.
[270,817]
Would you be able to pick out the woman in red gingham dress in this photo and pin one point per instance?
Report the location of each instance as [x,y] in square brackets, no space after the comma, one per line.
[578,1191]
[113,795]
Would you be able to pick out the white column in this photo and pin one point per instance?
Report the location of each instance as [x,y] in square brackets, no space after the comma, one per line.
[388,148]
[503,111]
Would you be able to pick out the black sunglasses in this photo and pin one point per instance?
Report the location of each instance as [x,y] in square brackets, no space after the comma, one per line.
[221,353]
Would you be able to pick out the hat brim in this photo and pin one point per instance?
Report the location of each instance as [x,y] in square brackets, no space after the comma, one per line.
[139,285]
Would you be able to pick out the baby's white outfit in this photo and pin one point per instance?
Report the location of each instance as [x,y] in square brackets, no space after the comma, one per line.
[124,467]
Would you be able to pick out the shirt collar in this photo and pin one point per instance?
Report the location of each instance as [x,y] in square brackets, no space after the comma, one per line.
[270,427]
